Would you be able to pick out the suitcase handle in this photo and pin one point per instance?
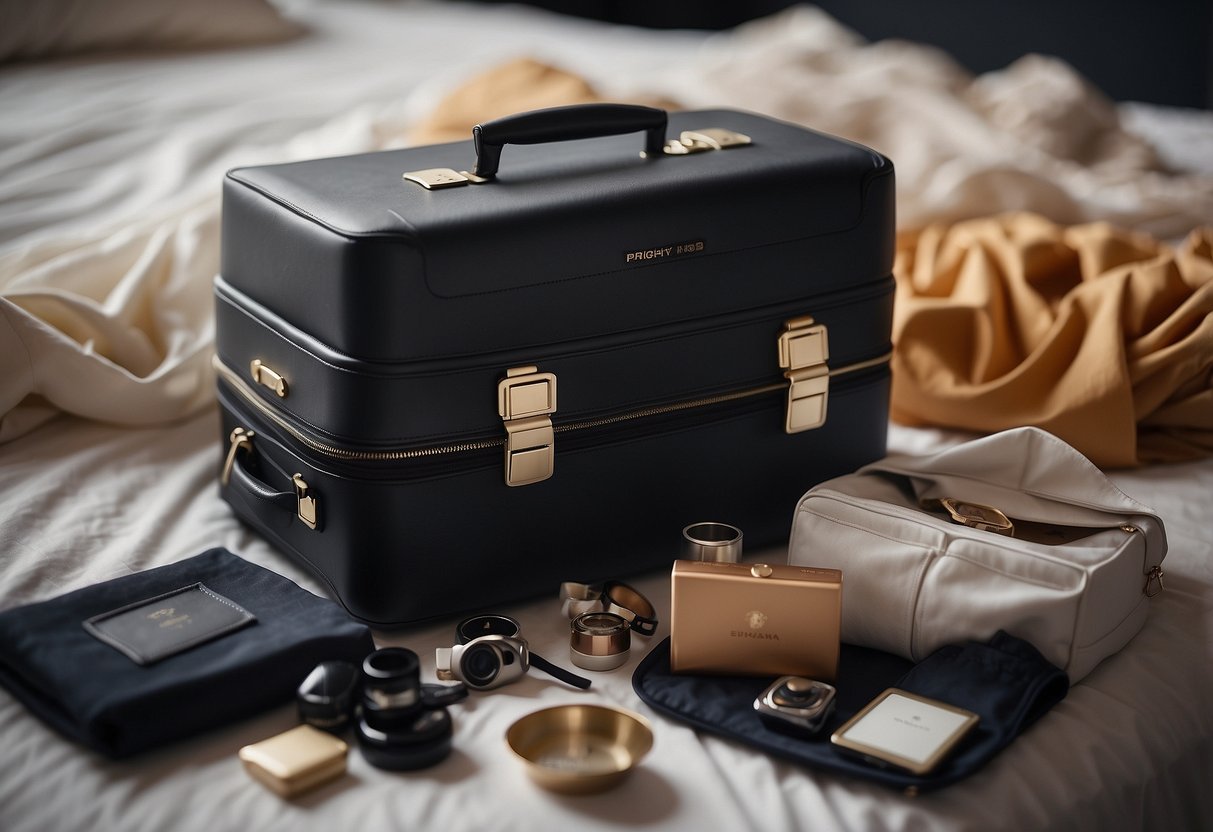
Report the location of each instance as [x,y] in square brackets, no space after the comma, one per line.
[301,503]
[559,124]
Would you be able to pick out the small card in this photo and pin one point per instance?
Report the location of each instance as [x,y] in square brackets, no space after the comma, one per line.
[905,730]
[156,628]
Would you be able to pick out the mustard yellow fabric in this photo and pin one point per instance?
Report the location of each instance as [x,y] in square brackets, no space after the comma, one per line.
[1098,335]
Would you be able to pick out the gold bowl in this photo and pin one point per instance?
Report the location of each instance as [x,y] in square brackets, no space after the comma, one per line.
[580,749]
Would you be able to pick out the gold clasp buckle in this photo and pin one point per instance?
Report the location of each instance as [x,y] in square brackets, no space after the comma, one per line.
[804,351]
[305,502]
[526,398]
[435,179]
[706,138]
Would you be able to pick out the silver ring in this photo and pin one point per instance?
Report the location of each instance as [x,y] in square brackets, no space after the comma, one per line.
[712,542]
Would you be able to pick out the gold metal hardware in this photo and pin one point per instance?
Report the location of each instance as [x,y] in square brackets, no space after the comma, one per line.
[716,138]
[706,138]
[267,377]
[241,388]
[526,398]
[239,439]
[804,351]
[1153,576]
[305,502]
[435,179]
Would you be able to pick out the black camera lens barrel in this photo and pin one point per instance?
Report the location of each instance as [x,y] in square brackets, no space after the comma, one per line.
[391,678]
[397,728]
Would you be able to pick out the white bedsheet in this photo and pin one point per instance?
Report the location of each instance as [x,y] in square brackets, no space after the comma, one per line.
[1130,747]
[109,171]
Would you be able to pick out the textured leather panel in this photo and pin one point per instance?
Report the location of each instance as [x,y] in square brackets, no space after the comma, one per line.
[382,269]
[431,402]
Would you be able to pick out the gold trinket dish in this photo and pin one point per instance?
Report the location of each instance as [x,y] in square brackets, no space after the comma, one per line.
[580,749]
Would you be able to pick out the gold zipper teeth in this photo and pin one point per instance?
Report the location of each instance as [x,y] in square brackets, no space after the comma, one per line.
[669,408]
[252,398]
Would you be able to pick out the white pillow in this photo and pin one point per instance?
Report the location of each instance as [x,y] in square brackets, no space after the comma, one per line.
[31,29]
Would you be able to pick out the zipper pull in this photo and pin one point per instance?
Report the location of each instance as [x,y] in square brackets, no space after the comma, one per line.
[1154,575]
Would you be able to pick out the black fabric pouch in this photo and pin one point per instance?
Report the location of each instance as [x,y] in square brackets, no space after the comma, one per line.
[131,664]
[1006,682]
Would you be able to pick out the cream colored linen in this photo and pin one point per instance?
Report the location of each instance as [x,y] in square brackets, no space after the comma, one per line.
[1100,336]
[89,150]
[33,29]
[109,173]
[1034,136]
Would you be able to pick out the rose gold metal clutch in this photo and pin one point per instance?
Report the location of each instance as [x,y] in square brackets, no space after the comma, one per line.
[755,619]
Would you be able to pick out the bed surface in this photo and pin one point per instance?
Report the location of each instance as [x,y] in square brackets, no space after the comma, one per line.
[92,148]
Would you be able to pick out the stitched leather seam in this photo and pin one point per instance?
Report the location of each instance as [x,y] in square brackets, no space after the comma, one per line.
[849,300]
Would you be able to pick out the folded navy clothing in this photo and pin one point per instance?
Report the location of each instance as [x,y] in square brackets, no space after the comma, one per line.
[222,639]
[1005,681]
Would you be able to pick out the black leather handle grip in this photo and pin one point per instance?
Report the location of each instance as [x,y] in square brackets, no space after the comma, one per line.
[271,506]
[560,124]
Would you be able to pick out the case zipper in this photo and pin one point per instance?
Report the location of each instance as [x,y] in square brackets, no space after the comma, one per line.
[237,383]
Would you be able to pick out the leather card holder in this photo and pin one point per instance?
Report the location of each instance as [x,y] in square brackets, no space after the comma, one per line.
[153,629]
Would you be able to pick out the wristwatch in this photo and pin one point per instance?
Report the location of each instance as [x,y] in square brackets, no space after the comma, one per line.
[974,515]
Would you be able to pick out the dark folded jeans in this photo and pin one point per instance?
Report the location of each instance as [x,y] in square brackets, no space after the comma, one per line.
[92,693]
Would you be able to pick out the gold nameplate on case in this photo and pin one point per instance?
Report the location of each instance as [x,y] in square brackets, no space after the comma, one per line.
[803,352]
[526,398]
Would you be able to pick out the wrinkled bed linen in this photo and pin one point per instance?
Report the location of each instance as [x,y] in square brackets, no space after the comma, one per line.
[109,172]
[90,151]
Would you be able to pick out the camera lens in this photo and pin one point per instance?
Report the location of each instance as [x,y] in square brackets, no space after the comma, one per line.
[480,665]
[391,678]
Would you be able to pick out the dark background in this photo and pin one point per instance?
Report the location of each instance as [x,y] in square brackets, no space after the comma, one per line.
[1157,51]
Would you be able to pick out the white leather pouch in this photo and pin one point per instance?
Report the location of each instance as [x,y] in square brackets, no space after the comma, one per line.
[1072,575]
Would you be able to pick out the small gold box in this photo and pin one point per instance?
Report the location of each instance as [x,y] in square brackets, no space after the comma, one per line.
[755,619]
[296,760]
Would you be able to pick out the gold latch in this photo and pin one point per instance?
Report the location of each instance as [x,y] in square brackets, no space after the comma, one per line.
[526,398]
[240,439]
[707,138]
[305,503]
[435,179]
[803,352]
[272,379]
